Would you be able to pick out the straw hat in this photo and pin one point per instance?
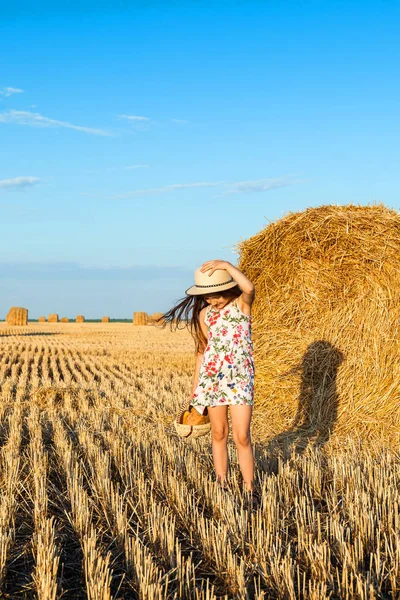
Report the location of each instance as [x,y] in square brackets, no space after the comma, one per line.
[209,284]
[190,423]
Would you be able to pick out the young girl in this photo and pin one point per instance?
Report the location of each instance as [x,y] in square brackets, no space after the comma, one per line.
[217,310]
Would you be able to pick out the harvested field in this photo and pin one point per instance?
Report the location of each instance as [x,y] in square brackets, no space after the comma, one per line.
[99,498]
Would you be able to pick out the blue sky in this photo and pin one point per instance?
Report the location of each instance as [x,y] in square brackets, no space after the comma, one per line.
[138,140]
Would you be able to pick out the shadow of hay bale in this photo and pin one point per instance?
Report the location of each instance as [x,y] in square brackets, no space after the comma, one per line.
[318,400]
[330,273]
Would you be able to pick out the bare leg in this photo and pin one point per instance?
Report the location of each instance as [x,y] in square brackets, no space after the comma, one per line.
[219,436]
[241,417]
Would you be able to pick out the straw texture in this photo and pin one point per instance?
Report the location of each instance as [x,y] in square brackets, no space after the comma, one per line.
[53,318]
[140,318]
[42,320]
[156,318]
[105,319]
[80,319]
[64,320]
[17,316]
[326,323]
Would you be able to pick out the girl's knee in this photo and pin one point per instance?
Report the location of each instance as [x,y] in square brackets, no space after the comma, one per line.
[219,434]
[242,438]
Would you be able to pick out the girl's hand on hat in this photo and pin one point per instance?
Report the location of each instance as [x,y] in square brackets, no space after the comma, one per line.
[213,265]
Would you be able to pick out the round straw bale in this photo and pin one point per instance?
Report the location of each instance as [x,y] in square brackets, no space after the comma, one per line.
[53,318]
[17,316]
[64,320]
[80,319]
[140,318]
[105,319]
[327,324]
[42,320]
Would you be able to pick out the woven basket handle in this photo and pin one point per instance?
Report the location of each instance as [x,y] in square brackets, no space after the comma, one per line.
[183,407]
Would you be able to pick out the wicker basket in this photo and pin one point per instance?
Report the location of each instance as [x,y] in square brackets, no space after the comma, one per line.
[190,430]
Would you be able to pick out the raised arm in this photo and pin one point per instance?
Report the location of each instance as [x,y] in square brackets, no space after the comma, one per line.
[243,282]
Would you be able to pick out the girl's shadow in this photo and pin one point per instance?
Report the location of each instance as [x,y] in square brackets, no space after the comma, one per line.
[318,400]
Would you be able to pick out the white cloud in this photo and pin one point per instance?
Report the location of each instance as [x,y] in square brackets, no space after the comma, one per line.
[180,121]
[164,189]
[131,167]
[226,189]
[133,118]
[9,91]
[18,182]
[256,186]
[23,117]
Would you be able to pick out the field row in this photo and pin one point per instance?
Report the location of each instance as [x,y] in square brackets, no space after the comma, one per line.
[100,499]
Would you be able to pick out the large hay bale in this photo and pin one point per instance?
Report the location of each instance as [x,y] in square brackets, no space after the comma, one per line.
[80,319]
[326,323]
[53,318]
[42,320]
[140,318]
[105,319]
[64,320]
[17,316]
[156,318]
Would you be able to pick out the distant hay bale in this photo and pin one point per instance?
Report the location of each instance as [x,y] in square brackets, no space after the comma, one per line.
[53,318]
[140,318]
[42,320]
[17,316]
[105,319]
[80,319]
[156,318]
[326,321]
[64,320]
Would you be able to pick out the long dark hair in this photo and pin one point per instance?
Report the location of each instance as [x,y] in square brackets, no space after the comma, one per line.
[186,313]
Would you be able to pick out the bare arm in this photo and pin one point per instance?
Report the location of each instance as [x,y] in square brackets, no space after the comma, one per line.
[199,355]
[243,282]
[199,359]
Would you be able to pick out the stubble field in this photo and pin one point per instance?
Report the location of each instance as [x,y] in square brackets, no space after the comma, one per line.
[100,499]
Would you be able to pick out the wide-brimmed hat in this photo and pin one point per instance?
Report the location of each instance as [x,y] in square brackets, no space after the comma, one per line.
[219,281]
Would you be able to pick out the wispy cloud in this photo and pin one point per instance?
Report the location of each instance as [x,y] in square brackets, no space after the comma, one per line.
[226,188]
[23,117]
[75,271]
[18,182]
[256,186]
[134,118]
[165,189]
[132,167]
[9,91]
[180,121]
[117,168]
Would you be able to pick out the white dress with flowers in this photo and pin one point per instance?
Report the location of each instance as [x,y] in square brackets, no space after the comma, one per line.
[227,369]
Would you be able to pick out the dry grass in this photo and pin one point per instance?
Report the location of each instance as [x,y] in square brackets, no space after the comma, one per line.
[17,316]
[64,320]
[140,318]
[99,498]
[105,319]
[42,320]
[80,319]
[53,318]
[327,323]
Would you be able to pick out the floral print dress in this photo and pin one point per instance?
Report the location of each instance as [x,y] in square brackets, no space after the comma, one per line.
[227,369]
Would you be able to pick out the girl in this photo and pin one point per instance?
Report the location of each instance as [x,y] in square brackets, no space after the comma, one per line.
[217,310]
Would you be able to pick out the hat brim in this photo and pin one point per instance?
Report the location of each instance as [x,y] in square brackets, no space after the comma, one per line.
[212,289]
